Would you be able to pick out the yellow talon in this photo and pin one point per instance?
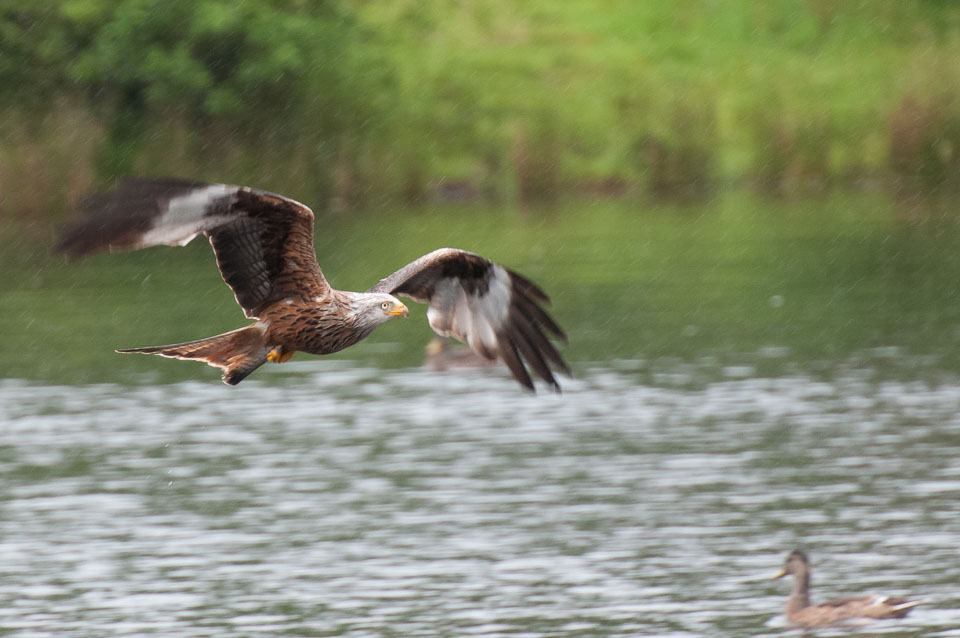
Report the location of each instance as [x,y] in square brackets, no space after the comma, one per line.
[278,355]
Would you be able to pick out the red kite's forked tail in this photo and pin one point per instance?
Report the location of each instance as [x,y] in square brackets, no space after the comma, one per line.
[238,352]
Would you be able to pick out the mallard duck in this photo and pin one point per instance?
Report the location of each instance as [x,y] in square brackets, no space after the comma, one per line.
[801,612]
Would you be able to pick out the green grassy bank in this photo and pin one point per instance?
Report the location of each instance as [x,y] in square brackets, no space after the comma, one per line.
[359,105]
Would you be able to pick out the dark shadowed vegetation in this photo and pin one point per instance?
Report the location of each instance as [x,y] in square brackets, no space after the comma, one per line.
[363,105]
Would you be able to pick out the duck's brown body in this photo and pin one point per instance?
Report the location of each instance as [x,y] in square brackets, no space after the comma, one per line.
[801,612]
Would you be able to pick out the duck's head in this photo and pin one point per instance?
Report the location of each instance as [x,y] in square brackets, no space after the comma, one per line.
[796,563]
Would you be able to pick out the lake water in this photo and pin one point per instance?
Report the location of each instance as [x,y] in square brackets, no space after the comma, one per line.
[744,385]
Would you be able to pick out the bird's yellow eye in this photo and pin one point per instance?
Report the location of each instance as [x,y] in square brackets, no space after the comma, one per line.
[385,305]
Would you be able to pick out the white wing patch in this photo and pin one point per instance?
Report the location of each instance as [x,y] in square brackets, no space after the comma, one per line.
[474,319]
[184,217]
[497,300]
[446,295]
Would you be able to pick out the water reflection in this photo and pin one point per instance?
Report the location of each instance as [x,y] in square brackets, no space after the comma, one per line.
[412,503]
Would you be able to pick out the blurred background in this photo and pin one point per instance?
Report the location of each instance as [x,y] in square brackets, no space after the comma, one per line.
[373,105]
[746,213]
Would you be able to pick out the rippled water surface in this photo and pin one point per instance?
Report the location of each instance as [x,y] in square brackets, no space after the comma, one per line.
[354,501]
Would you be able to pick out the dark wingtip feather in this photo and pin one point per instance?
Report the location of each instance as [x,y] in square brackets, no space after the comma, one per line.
[101,234]
[537,314]
[527,324]
[532,355]
[77,240]
[70,246]
[508,352]
[528,287]
[117,218]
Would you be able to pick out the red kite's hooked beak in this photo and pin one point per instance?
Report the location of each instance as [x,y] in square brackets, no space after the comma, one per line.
[399,310]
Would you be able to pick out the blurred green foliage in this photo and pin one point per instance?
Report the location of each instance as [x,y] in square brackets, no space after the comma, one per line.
[266,68]
[208,58]
[351,104]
